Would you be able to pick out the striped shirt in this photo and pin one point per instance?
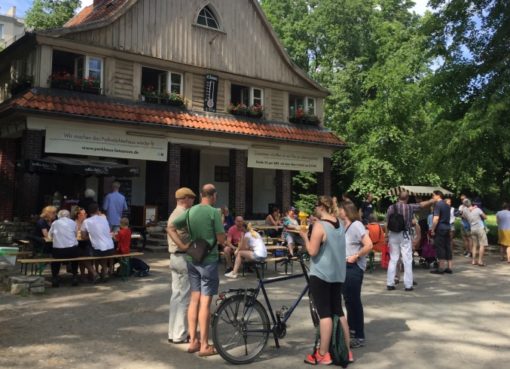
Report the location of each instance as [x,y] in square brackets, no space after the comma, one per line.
[407,211]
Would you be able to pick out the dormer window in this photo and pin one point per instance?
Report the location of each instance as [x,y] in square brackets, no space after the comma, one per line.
[207,18]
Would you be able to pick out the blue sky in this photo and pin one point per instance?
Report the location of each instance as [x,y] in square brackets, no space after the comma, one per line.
[23,5]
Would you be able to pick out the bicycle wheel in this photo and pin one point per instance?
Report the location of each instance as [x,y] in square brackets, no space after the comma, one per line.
[240,329]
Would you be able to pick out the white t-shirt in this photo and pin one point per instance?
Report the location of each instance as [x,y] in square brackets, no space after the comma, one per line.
[474,217]
[99,232]
[63,233]
[256,244]
[503,217]
[353,237]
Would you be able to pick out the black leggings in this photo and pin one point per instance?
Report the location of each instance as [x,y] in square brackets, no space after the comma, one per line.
[327,297]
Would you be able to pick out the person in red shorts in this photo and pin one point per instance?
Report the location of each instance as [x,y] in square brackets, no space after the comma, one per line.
[123,237]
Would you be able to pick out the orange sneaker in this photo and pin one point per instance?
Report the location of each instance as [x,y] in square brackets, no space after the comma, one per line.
[318,359]
[351,357]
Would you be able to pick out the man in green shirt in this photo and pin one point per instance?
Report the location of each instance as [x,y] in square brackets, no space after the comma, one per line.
[204,223]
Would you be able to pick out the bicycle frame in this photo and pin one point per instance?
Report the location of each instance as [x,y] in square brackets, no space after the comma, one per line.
[277,323]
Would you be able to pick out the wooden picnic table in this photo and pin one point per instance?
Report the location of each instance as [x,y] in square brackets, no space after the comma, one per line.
[267,227]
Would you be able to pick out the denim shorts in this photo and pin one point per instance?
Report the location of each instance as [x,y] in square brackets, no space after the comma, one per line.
[204,278]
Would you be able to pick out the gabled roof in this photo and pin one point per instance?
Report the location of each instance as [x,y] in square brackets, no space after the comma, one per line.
[100,108]
[105,13]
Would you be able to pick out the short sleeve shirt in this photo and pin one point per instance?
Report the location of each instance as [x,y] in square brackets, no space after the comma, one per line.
[204,223]
[474,217]
[99,232]
[63,232]
[183,233]
[235,235]
[442,209]
[39,226]
[353,236]
[503,217]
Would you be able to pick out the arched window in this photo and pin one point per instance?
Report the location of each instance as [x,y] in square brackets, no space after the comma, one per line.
[207,18]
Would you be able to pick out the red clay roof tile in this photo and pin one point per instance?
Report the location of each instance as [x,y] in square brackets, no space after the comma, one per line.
[54,101]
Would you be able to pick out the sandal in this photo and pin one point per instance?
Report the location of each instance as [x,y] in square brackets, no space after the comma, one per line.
[474,263]
[210,351]
[194,348]
[481,264]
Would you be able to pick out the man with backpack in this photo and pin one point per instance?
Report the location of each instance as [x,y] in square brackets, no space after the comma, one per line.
[398,223]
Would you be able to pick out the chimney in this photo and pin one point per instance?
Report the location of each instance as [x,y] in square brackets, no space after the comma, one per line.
[11,12]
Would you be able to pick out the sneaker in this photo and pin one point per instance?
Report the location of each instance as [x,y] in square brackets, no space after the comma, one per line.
[357,342]
[228,270]
[55,282]
[415,283]
[231,275]
[351,357]
[409,289]
[448,271]
[437,271]
[390,288]
[318,359]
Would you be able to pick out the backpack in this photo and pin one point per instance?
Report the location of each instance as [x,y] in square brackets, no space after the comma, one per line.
[337,347]
[396,221]
[139,268]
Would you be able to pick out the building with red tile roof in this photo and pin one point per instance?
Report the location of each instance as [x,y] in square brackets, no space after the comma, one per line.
[159,94]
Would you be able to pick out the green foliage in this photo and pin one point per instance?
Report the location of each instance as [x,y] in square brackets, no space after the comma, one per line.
[46,14]
[304,188]
[419,100]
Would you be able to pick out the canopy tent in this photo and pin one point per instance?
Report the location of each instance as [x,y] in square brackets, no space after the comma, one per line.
[419,190]
[85,167]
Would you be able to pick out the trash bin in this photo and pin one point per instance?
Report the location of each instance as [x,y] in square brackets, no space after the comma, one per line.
[6,254]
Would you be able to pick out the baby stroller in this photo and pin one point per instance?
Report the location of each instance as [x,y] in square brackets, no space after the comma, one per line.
[427,253]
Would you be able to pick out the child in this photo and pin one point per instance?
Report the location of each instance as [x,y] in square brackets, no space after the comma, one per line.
[123,237]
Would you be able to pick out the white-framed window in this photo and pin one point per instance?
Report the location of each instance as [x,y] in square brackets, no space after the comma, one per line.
[257,96]
[161,81]
[307,104]
[208,18]
[89,67]
[246,95]
[175,84]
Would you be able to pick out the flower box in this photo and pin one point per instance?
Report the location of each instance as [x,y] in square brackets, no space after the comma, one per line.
[66,81]
[254,111]
[150,96]
[301,117]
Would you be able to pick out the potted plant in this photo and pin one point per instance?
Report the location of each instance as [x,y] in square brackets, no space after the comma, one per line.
[175,100]
[21,84]
[149,94]
[237,109]
[63,80]
[302,117]
[256,111]
[89,85]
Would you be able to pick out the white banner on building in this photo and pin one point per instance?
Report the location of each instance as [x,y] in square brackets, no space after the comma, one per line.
[104,142]
[285,160]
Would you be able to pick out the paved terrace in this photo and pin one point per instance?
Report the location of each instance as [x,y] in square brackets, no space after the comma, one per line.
[457,321]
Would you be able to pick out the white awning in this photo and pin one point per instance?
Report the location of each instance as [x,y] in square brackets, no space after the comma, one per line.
[419,190]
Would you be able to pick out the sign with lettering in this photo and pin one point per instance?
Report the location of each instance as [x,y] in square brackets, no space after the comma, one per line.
[285,160]
[104,142]
[211,93]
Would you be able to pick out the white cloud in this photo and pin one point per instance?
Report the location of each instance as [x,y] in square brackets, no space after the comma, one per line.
[421,6]
[85,3]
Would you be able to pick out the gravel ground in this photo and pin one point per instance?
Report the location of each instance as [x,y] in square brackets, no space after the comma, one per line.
[449,321]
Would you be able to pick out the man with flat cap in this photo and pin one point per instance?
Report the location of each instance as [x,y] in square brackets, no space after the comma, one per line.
[180,295]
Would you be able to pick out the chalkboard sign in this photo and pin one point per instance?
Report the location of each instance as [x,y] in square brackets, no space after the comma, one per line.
[211,93]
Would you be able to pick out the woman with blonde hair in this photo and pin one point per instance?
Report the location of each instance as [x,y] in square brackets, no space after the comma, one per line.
[42,228]
[251,247]
[358,246]
[326,247]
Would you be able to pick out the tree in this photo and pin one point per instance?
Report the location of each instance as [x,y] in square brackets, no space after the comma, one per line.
[45,14]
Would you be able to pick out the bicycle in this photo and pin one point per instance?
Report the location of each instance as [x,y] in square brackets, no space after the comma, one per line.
[241,325]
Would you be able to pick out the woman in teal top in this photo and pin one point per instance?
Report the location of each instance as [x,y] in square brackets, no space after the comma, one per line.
[326,247]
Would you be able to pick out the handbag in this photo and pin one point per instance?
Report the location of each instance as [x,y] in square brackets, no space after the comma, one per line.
[198,248]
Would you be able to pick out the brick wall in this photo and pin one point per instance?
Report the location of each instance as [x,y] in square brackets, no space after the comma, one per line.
[27,184]
[283,189]
[324,179]
[7,178]
[174,173]
[237,187]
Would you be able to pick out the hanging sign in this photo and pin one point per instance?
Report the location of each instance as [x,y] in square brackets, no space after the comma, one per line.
[211,93]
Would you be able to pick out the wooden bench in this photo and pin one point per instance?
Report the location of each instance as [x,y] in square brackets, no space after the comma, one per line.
[37,261]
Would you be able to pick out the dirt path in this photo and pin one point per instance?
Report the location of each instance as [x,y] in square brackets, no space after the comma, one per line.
[452,321]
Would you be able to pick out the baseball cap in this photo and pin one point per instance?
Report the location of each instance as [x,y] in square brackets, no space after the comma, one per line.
[183,192]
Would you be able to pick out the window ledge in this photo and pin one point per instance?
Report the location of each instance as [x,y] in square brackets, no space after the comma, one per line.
[209,28]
